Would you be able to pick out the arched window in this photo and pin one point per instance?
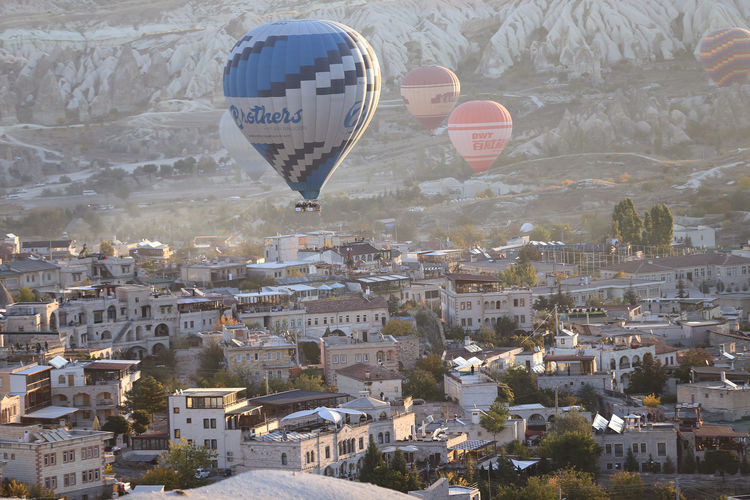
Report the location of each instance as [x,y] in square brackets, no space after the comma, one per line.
[283,459]
[612,364]
[382,416]
[624,362]
[61,379]
[387,437]
[312,456]
[380,438]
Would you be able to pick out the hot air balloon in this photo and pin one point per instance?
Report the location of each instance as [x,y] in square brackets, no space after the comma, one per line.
[430,92]
[725,54]
[479,131]
[239,149]
[302,92]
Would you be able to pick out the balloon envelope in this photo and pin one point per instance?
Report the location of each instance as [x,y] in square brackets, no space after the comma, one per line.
[302,92]
[430,93]
[725,54]
[239,149]
[527,227]
[479,131]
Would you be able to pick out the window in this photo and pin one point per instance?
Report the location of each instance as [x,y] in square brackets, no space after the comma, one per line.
[69,456]
[189,420]
[177,433]
[515,302]
[357,318]
[269,356]
[343,358]
[521,302]
[69,479]
[387,437]
[50,482]
[283,459]
[364,318]
[328,452]
[176,409]
[335,359]
[214,444]
[635,448]
[358,358]
[366,357]
[50,459]
[257,356]
[661,449]
[316,321]
[361,443]
[239,358]
[468,305]
[643,448]
[618,450]
[278,356]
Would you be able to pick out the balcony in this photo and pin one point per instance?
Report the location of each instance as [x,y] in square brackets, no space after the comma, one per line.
[105,402]
[108,458]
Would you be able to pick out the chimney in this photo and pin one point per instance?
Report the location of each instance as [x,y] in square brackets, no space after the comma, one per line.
[475,416]
[367,374]
[467,340]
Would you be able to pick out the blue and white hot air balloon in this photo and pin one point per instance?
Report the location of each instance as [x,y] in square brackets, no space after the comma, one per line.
[302,92]
[239,149]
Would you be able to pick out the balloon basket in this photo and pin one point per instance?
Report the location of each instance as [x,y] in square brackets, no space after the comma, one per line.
[307,206]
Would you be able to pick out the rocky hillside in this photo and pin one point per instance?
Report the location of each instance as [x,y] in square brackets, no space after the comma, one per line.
[64,61]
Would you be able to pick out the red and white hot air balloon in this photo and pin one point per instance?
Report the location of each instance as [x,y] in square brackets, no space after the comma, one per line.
[479,131]
[430,92]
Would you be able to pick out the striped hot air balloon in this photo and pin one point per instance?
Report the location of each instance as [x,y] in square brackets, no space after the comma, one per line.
[479,131]
[302,92]
[725,54]
[430,92]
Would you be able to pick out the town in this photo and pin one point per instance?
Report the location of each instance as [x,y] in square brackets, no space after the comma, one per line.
[416,365]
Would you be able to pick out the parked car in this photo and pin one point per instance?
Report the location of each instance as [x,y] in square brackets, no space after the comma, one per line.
[113,449]
[202,473]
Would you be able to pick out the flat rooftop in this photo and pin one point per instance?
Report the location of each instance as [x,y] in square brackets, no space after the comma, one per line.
[296,396]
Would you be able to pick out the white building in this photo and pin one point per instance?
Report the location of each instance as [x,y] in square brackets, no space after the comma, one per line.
[362,314]
[470,389]
[472,301]
[214,418]
[651,445]
[695,236]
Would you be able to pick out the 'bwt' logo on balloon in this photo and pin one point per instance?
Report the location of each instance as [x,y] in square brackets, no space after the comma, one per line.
[352,115]
[258,115]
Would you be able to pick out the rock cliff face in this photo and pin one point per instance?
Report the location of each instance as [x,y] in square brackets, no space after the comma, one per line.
[86,60]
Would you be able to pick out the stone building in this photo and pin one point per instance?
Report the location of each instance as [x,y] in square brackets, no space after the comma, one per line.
[374,381]
[374,349]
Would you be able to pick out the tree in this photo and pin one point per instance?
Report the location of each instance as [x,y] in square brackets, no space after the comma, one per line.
[588,396]
[630,297]
[724,461]
[422,384]
[651,401]
[494,420]
[626,223]
[537,488]
[309,382]
[648,377]
[159,476]
[687,464]
[572,421]
[529,253]
[371,461]
[661,232]
[116,424]
[577,485]
[433,363]
[631,463]
[744,465]
[572,449]
[140,421]
[523,274]
[25,294]
[522,384]
[669,467]
[540,233]
[106,248]
[625,486]
[665,491]
[211,359]
[689,359]
[399,328]
[505,327]
[392,305]
[147,394]
[183,459]
[504,394]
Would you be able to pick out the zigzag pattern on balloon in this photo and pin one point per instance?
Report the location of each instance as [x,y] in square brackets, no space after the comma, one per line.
[725,55]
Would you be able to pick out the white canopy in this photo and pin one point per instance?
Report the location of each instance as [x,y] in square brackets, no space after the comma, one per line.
[331,414]
[522,464]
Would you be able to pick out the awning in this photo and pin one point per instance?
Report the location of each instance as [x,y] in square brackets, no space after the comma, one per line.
[471,444]
[409,449]
[51,412]
[388,449]
[523,464]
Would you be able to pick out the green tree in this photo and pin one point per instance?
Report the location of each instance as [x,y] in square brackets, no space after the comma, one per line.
[689,359]
[681,293]
[631,463]
[577,485]
[371,461]
[540,233]
[662,226]
[106,248]
[520,275]
[211,360]
[159,476]
[744,465]
[630,297]
[687,464]
[665,491]
[504,394]
[116,424]
[393,304]
[505,327]
[522,384]
[25,294]
[184,459]
[648,377]
[626,223]
[309,382]
[147,394]
[399,328]
[669,467]
[588,396]
[537,488]
[494,420]
[529,253]
[433,363]
[422,384]
[626,486]
[140,421]
[572,449]
[572,421]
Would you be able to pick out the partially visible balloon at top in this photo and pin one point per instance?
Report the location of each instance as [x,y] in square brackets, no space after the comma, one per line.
[302,92]
[241,151]
[480,131]
[430,93]
[725,55]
